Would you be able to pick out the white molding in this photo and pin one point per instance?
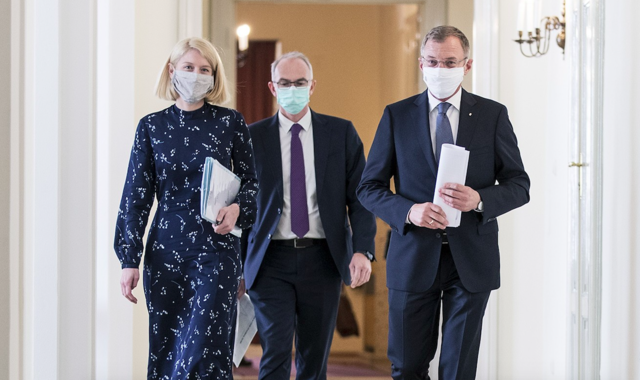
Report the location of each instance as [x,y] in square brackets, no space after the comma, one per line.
[7,277]
[222,26]
[190,13]
[42,219]
[486,66]
[586,20]
[115,120]
[486,48]
[75,182]
[16,191]
[52,115]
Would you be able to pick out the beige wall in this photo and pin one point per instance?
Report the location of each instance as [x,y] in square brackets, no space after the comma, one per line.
[359,53]
[363,57]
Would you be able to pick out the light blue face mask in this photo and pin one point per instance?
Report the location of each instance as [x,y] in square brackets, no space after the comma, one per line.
[293,99]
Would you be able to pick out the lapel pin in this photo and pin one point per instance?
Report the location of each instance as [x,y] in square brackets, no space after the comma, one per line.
[470,113]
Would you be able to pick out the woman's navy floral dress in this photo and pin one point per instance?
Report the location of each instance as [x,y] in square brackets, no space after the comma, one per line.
[190,273]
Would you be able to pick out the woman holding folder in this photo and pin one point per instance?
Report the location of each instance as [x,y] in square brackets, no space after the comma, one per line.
[191,267]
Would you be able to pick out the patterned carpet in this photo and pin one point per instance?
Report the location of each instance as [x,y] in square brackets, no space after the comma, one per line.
[340,367]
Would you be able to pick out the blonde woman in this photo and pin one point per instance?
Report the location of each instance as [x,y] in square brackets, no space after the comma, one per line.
[191,267]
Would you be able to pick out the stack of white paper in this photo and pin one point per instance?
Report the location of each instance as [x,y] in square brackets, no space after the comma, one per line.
[452,168]
[219,188]
[246,328]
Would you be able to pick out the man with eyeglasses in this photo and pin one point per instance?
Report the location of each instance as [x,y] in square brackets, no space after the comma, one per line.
[308,225]
[433,268]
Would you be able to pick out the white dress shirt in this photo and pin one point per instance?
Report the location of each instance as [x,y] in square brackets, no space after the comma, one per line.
[283,230]
[453,113]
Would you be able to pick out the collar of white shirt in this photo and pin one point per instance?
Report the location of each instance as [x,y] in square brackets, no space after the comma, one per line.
[286,124]
[454,101]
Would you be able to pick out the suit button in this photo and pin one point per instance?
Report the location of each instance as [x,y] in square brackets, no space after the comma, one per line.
[438,235]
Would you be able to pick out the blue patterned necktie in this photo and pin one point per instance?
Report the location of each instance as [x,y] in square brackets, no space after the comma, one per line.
[299,211]
[443,129]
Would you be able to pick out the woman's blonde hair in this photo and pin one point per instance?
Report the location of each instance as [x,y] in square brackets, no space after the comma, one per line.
[218,94]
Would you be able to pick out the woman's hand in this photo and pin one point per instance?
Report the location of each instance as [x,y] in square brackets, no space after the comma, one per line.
[128,282]
[226,220]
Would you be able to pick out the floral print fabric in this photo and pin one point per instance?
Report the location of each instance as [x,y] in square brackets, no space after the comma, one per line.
[190,273]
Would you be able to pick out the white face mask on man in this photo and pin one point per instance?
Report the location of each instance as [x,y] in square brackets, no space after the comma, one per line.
[442,82]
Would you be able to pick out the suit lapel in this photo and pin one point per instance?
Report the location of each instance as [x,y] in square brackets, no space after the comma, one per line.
[321,144]
[421,128]
[468,116]
[273,152]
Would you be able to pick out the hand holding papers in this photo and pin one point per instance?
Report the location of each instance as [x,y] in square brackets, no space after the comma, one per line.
[219,188]
[246,328]
[452,168]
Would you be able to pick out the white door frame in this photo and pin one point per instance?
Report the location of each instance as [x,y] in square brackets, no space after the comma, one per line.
[586,27]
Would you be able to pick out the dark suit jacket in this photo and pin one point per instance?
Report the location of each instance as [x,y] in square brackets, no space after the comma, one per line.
[339,161]
[402,149]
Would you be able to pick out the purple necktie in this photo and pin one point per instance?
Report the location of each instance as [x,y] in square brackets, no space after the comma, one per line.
[299,211]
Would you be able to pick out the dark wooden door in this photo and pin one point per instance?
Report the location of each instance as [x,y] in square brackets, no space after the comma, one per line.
[254,100]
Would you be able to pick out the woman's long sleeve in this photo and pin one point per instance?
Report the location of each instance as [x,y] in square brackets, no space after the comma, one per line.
[245,168]
[137,199]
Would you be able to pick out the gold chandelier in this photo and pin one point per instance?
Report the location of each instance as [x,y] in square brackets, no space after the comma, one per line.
[539,39]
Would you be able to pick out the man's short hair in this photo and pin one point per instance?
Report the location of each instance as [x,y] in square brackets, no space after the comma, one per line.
[440,33]
[291,54]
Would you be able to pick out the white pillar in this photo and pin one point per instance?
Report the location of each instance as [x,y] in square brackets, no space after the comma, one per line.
[42,189]
[114,118]
[56,113]
[5,189]
[75,89]
[53,189]
[485,53]
[222,34]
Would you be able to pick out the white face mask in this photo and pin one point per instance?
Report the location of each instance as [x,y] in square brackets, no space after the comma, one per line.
[442,82]
[192,87]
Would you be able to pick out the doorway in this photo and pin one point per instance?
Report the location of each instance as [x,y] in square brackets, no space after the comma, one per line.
[364,57]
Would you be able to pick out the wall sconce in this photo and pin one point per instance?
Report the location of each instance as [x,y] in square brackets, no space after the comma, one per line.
[528,12]
[243,37]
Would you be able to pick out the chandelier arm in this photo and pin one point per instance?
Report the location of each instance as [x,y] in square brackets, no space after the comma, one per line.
[522,51]
[533,53]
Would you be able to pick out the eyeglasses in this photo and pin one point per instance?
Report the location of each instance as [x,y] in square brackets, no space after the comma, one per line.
[449,63]
[283,83]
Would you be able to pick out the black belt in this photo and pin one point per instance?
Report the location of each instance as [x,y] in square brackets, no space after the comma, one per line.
[299,243]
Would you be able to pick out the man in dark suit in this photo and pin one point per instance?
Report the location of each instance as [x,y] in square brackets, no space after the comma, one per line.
[432,267]
[308,225]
